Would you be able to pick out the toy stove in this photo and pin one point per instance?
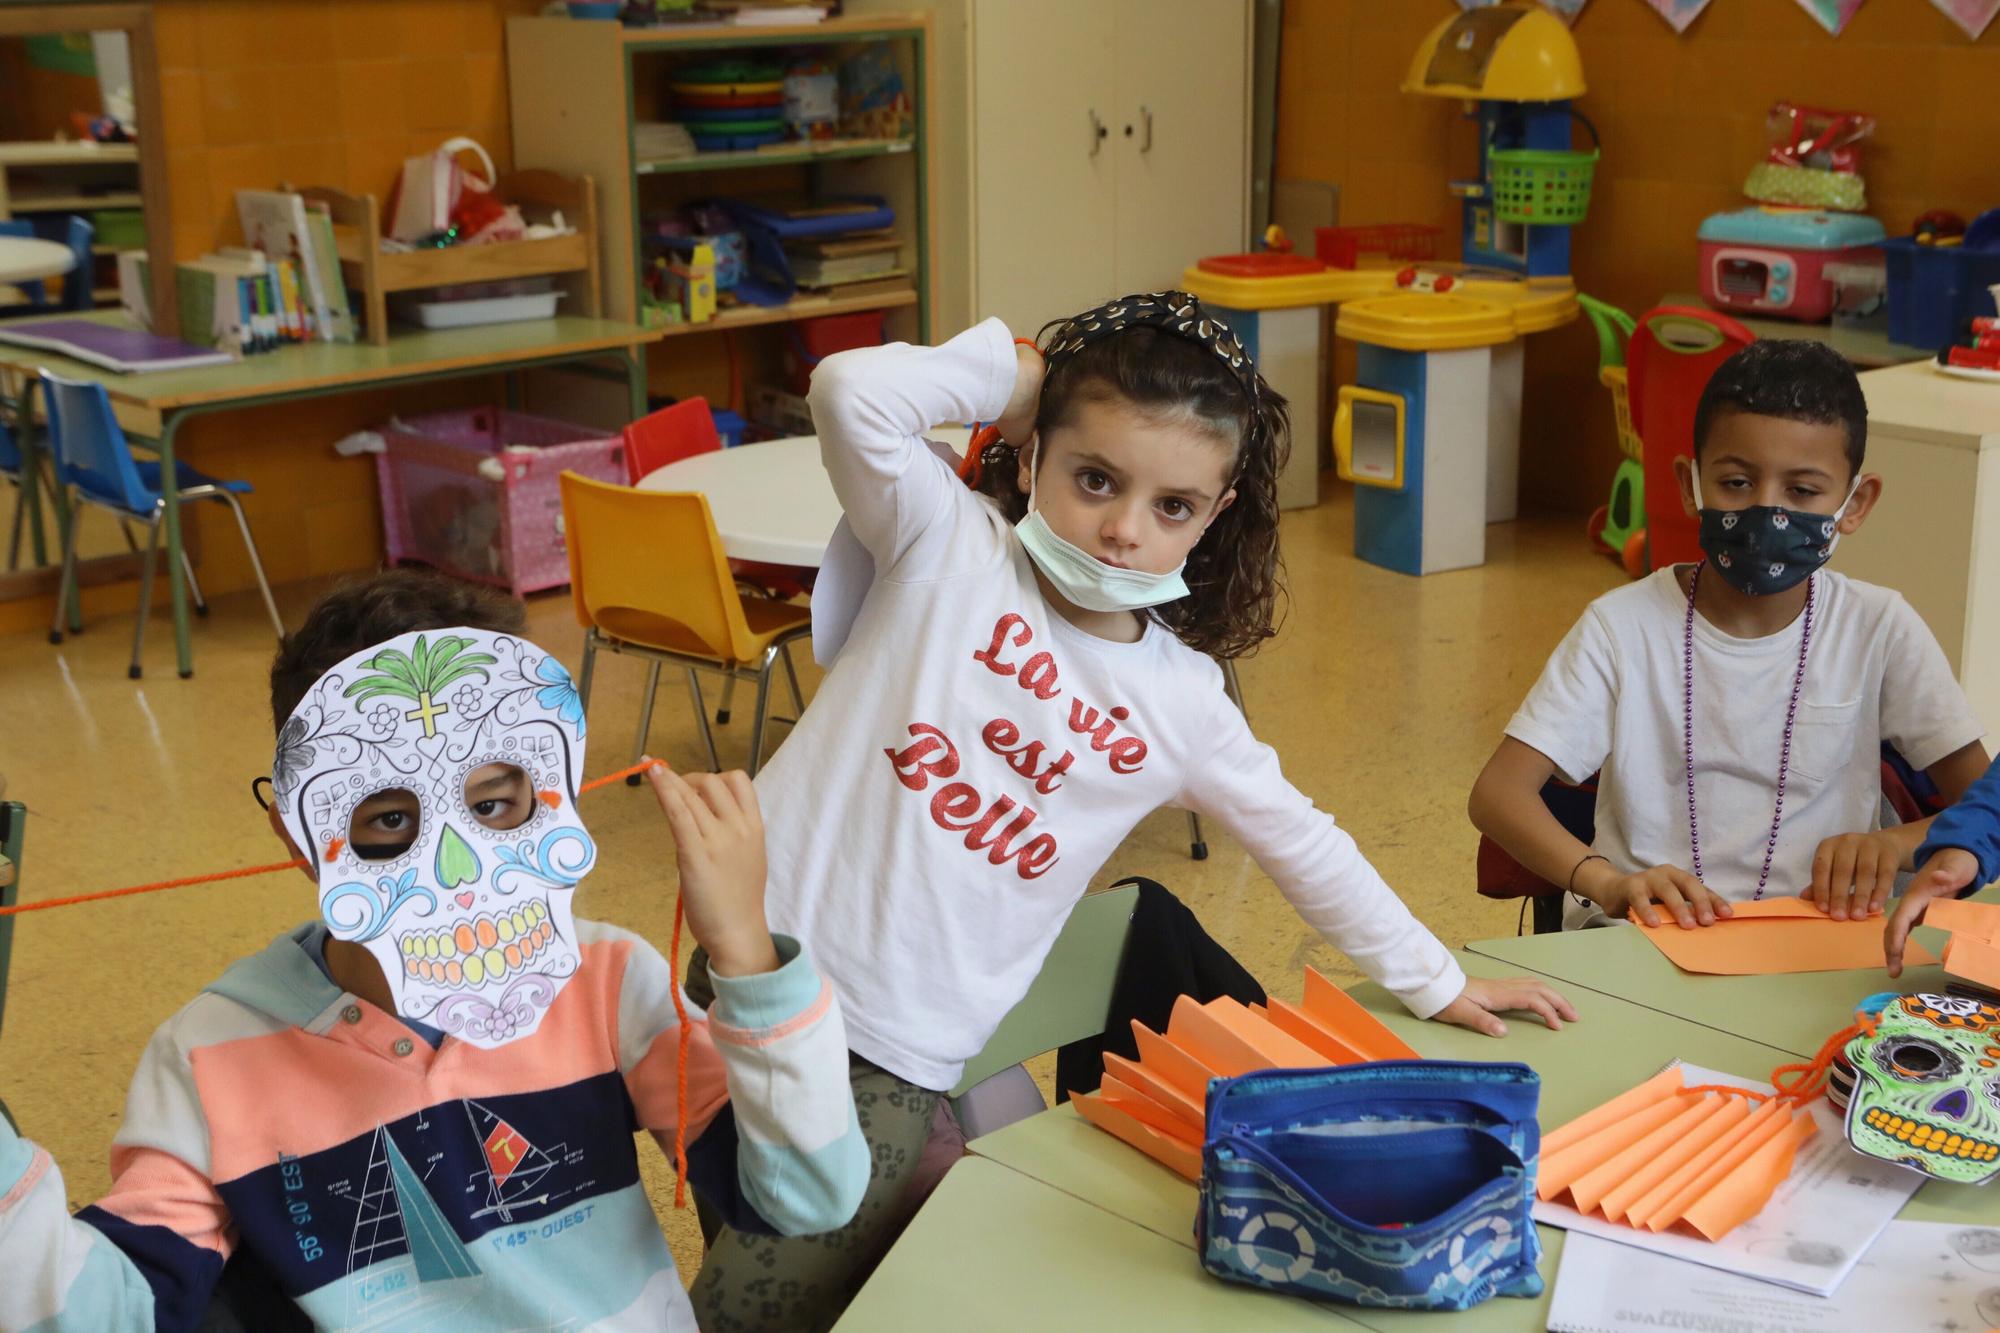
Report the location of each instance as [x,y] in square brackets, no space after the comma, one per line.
[1769,261]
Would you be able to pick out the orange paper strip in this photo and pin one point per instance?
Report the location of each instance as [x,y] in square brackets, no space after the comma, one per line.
[1588,1190]
[1559,1170]
[1974,959]
[1172,1064]
[1342,1014]
[1774,936]
[1279,1049]
[1209,1040]
[1656,1200]
[1145,1138]
[1663,1084]
[1742,1193]
[1963,917]
[1730,1112]
[1183,1107]
[1755,1134]
[1148,1112]
[1296,1022]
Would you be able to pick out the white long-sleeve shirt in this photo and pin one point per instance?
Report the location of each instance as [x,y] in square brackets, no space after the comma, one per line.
[972,758]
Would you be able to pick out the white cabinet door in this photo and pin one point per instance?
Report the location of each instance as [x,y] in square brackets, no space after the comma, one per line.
[1044,204]
[1182,134]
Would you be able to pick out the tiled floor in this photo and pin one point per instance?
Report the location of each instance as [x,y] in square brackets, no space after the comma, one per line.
[1384,695]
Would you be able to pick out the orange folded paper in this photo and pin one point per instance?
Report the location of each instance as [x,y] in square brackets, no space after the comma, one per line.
[1663,1154]
[1158,1103]
[1777,935]
[1973,951]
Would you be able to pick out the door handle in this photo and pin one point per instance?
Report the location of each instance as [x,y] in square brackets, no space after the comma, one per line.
[1146,129]
[1097,132]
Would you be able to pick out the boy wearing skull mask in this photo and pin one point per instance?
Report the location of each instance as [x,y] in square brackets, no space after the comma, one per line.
[421,1106]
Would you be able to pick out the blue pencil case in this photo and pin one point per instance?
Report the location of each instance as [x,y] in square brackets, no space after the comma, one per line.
[1404,1184]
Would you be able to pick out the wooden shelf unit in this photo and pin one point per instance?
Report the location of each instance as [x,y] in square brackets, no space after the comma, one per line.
[374,275]
[55,176]
[578,88]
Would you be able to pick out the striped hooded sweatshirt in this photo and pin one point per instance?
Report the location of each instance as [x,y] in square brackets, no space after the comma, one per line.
[386,1184]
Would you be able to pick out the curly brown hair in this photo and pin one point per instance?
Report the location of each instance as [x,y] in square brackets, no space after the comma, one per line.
[1234,574]
[373,610]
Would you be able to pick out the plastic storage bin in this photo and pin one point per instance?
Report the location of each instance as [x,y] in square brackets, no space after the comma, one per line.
[474,493]
[1934,290]
[811,341]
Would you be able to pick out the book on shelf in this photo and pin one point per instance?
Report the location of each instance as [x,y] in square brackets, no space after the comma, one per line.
[812,271]
[231,302]
[301,248]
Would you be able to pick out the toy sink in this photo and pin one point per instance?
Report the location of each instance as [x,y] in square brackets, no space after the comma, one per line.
[1770,261]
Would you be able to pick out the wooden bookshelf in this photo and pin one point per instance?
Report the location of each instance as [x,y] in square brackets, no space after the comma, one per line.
[578,88]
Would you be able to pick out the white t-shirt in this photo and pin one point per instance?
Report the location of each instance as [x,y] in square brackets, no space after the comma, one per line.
[1610,702]
[972,758]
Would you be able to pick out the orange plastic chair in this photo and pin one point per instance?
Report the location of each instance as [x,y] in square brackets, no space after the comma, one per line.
[686,429]
[648,578]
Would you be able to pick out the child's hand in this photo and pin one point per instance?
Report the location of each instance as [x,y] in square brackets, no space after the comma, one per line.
[1690,902]
[1017,423]
[1854,873]
[719,847]
[1947,872]
[1478,1004]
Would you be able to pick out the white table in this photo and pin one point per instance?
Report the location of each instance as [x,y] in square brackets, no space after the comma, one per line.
[25,259]
[772,501]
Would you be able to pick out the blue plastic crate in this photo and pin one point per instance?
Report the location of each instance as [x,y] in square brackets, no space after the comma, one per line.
[1933,291]
[729,425]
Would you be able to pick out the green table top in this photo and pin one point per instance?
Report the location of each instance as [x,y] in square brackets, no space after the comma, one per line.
[1795,1012]
[317,367]
[994,1249]
[1614,1044]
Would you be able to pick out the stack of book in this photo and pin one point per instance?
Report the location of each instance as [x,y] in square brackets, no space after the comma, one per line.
[282,286]
[837,260]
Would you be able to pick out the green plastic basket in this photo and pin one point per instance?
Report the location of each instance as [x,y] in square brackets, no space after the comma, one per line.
[1545,186]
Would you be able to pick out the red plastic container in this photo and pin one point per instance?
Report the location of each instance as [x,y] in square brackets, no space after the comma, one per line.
[1343,247]
[461,494]
[813,340]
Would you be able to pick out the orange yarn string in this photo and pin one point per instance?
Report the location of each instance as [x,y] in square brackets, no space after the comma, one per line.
[1801,1082]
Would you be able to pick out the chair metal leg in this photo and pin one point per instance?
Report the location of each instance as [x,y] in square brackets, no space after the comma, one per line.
[194,584]
[20,516]
[65,578]
[763,708]
[1197,845]
[1233,685]
[645,720]
[145,595]
[792,680]
[589,668]
[125,530]
[256,562]
[701,719]
[728,693]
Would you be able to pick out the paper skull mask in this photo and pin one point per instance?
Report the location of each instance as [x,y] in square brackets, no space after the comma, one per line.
[461,892]
[1927,1088]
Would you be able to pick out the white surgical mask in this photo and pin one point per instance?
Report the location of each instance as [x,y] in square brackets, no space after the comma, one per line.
[1081,577]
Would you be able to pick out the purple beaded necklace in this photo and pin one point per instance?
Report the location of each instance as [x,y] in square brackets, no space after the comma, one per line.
[1687,727]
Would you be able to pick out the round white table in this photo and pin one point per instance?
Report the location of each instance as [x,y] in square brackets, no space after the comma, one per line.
[25,259]
[772,501]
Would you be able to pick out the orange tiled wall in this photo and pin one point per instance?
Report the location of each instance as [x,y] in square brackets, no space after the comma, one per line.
[1682,122]
[334,92]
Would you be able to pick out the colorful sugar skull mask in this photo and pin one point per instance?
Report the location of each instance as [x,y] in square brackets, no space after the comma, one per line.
[471,919]
[1927,1088]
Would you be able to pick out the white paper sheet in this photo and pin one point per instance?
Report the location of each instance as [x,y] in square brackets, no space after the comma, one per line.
[1818,1223]
[1919,1277]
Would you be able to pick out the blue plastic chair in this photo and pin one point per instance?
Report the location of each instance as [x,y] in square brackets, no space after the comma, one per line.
[95,466]
[79,284]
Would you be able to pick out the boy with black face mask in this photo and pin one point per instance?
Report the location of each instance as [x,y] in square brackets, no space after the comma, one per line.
[1735,708]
